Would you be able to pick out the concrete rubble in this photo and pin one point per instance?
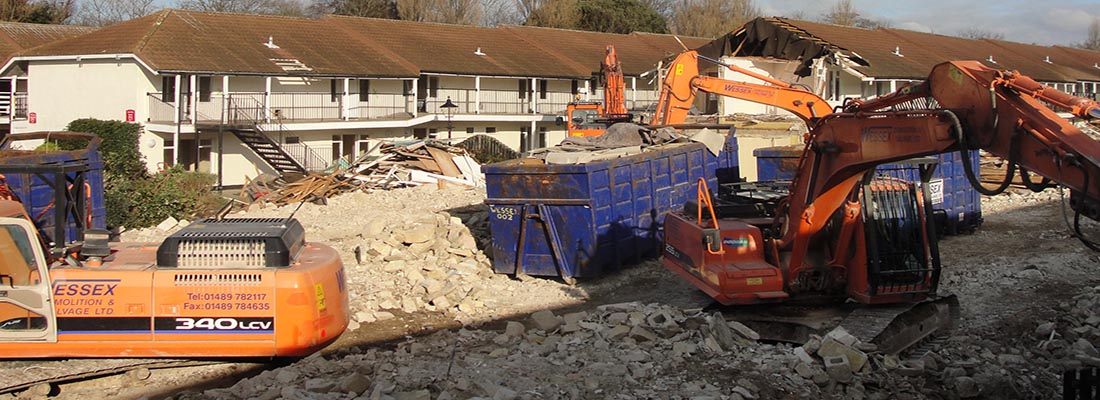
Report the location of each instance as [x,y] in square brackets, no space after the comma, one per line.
[505,341]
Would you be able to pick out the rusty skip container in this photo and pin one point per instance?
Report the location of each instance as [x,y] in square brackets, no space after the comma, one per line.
[581,220]
[62,191]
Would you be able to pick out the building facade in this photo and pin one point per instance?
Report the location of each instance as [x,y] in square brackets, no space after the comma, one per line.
[244,95]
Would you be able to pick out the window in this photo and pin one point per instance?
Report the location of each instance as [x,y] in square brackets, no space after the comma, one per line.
[406,87]
[574,87]
[469,130]
[540,140]
[332,91]
[433,133]
[491,129]
[524,135]
[522,88]
[169,153]
[364,90]
[833,87]
[18,259]
[293,139]
[543,84]
[204,88]
[168,89]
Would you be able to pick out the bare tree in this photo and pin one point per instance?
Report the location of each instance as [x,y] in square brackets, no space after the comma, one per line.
[977,33]
[1092,41]
[357,8]
[555,14]
[842,13]
[463,12]
[711,18]
[106,12]
[416,10]
[36,11]
[499,12]
[277,7]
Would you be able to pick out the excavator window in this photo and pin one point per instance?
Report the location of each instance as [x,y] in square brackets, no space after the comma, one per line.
[17,262]
[18,269]
[586,119]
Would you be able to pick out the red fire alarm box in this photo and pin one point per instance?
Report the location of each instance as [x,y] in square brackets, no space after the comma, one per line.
[130,116]
[32,118]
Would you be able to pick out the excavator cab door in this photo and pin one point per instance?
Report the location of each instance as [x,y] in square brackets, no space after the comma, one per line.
[26,306]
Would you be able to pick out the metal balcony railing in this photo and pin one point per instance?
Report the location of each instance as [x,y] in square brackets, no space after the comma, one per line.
[323,106]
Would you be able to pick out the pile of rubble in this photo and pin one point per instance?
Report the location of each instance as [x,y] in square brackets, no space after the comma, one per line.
[433,264]
[625,350]
[388,166]
[413,252]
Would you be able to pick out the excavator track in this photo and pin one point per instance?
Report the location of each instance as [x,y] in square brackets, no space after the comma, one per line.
[22,375]
[893,328]
[897,327]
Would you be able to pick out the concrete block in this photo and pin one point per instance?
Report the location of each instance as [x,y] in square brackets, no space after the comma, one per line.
[838,369]
[832,348]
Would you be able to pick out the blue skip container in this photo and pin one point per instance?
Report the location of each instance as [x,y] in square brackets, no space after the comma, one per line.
[948,187]
[62,191]
[580,220]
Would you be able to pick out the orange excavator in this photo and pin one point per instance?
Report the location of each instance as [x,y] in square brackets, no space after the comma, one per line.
[593,118]
[683,80]
[841,233]
[217,288]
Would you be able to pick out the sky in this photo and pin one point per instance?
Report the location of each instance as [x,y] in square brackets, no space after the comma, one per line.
[1045,22]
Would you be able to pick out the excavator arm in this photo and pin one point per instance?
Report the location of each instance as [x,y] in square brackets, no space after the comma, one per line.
[683,80]
[613,85]
[1001,112]
[1006,113]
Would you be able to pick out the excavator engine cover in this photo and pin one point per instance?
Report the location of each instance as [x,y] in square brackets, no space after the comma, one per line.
[233,243]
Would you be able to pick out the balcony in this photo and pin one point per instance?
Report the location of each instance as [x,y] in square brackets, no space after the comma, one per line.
[255,107]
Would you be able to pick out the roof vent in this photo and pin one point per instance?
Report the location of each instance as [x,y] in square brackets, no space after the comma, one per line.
[897,51]
[990,59]
[271,43]
[478,52]
[1047,60]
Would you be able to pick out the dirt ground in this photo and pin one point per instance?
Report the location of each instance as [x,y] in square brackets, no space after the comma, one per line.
[1019,271]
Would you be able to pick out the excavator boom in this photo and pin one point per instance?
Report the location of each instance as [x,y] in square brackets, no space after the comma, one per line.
[683,80]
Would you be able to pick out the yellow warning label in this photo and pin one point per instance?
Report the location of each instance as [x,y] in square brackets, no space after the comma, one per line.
[320,292]
[679,69]
[754,281]
[956,75]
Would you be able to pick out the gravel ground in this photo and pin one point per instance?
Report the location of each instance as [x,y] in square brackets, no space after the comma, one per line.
[431,320]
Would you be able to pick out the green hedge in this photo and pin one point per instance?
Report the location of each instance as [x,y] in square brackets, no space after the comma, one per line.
[136,199]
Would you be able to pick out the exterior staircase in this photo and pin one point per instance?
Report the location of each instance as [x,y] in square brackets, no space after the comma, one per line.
[244,122]
[255,138]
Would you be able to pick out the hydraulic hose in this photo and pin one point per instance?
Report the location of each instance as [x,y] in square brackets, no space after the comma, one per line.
[964,153]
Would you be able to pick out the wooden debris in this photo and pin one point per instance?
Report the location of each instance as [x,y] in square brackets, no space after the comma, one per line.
[392,167]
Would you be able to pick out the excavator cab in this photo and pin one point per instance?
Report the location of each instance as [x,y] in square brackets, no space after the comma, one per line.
[26,309]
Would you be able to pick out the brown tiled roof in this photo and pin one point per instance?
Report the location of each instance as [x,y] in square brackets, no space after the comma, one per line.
[174,40]
[193,41]
[921,51]
[17,36]
[637,52]
[1086,62]
[446,48]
